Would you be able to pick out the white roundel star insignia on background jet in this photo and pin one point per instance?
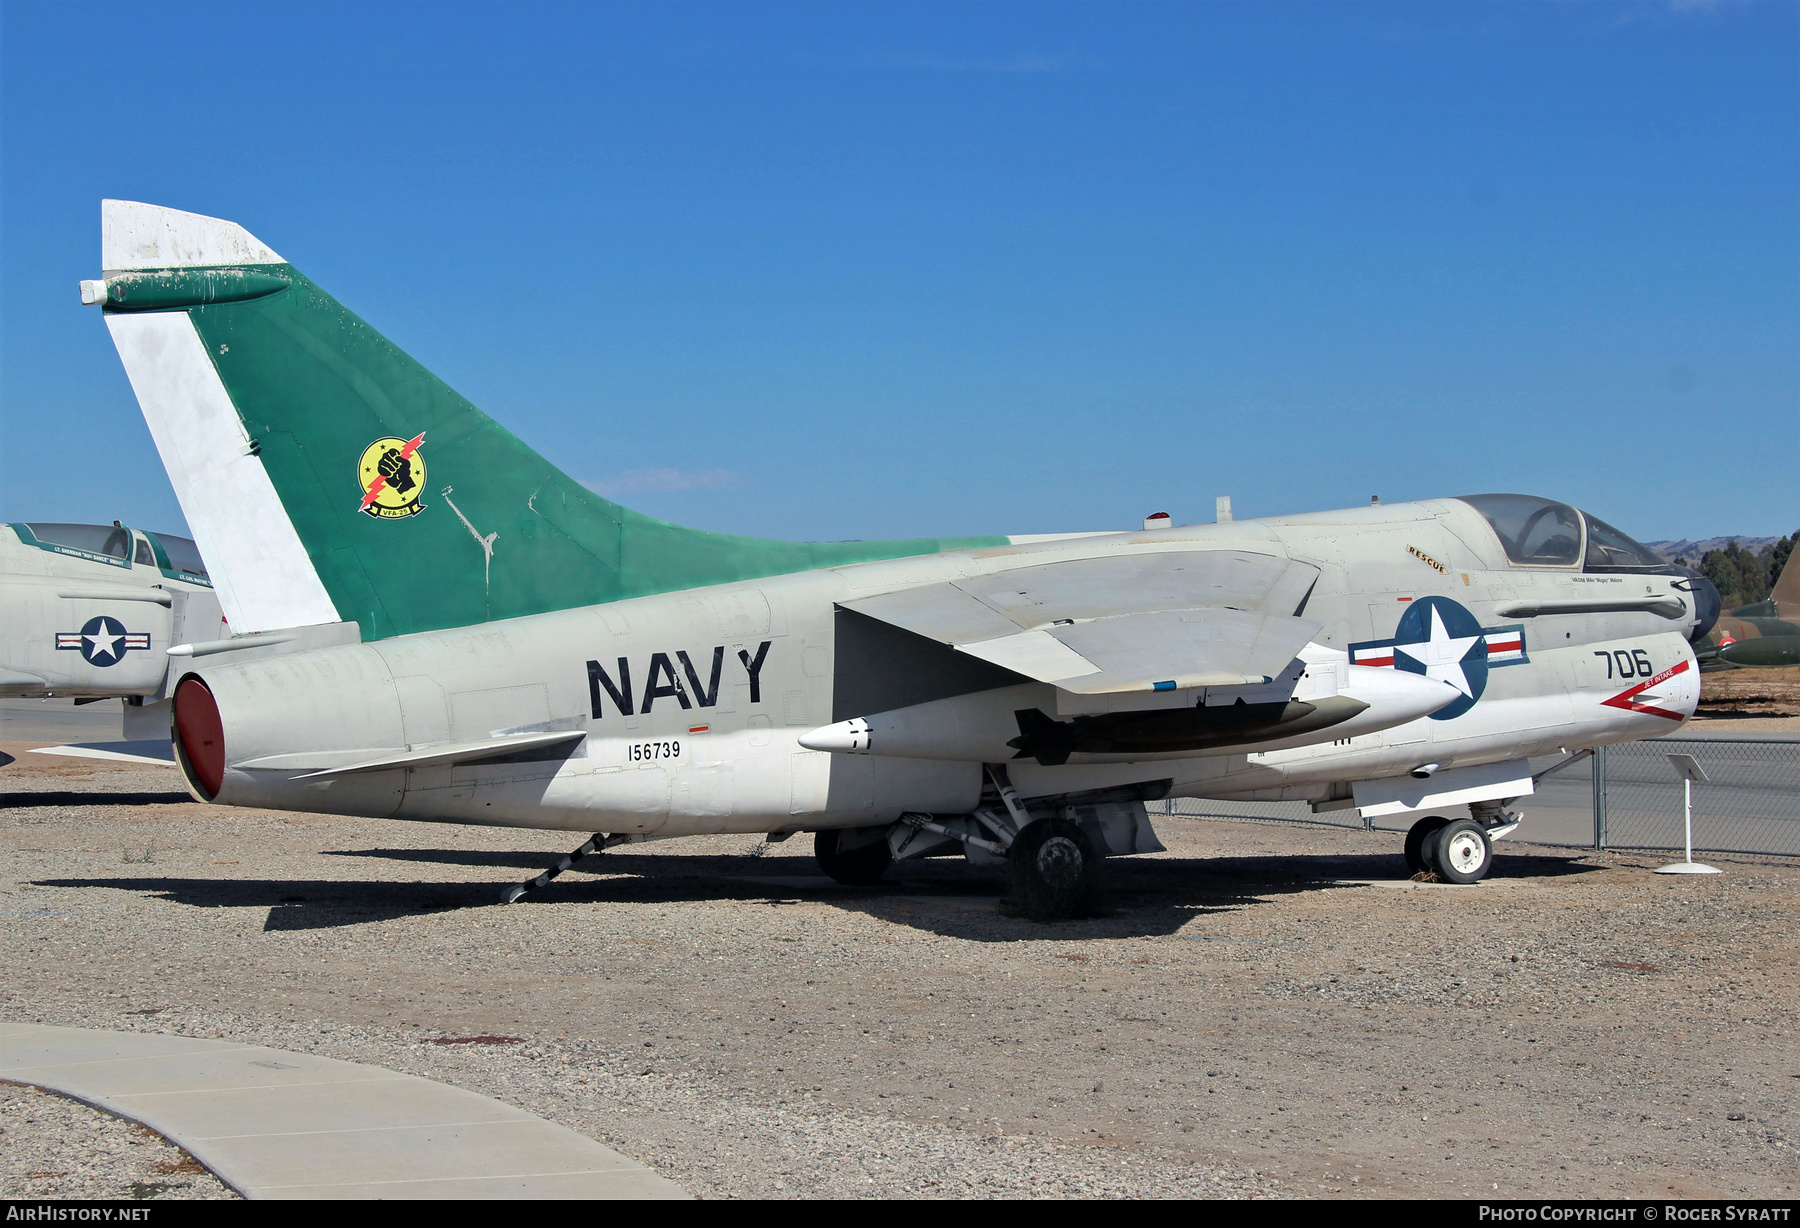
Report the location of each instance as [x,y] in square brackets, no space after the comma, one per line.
[102,641]
[102,635]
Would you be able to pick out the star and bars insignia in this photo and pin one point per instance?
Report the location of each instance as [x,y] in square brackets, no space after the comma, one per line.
[102,641]
[1441,639]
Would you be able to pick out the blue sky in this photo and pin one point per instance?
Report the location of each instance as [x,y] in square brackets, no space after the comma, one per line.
[863,270]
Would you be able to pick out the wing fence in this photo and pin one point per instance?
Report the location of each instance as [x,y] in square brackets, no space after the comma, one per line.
[1750,802]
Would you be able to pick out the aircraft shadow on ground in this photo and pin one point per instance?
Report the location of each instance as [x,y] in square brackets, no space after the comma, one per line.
[300,904]
[942,896]
[514,859]
[24,801]
[1151,897]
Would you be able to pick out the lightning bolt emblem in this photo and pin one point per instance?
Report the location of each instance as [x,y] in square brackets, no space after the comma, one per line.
[380,482]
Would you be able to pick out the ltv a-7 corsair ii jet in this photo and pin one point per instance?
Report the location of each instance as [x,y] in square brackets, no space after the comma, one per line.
[433,622]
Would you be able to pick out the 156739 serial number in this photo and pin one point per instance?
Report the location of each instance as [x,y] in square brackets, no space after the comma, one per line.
[644,752]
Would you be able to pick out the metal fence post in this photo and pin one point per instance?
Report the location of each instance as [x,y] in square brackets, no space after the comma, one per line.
[1599,797]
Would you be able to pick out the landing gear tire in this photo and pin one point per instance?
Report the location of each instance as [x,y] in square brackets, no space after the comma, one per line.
[859,866]
[1417,839]
[1461,852]
[1054,872]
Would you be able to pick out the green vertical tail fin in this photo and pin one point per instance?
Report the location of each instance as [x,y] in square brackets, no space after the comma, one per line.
[326,474]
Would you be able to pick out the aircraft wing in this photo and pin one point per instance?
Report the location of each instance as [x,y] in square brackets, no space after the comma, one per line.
[1141,622]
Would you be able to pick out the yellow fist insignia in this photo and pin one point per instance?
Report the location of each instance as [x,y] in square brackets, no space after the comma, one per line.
[392,474]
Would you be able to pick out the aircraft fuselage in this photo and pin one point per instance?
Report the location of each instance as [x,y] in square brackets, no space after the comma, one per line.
[693,704]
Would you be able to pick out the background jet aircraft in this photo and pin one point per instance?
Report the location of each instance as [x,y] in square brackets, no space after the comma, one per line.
[89,611]
[435,623]
[1765,634]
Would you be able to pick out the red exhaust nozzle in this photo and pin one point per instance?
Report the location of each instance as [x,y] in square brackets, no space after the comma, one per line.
[200,736]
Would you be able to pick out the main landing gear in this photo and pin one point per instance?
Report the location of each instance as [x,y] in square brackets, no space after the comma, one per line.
[1052,863]
[857,856]
[1052,867]
[1054,871]
[1458,850]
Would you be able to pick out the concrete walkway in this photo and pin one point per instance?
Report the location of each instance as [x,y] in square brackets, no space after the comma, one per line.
[273,1124]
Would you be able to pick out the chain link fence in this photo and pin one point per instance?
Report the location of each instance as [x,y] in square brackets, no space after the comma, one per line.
[1750,802]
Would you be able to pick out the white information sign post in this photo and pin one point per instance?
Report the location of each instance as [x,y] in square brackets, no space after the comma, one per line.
[1689,769]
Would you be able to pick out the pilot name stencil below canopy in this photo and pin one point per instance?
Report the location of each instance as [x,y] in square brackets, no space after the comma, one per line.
[437,624]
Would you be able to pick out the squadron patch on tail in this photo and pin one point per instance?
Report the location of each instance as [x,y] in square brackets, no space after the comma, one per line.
[392,474]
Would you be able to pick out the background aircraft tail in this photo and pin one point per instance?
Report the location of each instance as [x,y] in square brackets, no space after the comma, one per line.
[327,476]
[1786,593]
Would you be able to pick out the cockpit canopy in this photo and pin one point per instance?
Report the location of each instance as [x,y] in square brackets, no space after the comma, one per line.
[182,553]
[177,556]
[110,540]
[1544,533]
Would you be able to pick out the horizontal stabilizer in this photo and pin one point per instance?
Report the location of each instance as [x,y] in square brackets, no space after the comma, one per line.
[159,751]
[446,755]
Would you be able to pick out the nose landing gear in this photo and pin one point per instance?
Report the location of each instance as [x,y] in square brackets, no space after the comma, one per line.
[1460,850]
[1425,829]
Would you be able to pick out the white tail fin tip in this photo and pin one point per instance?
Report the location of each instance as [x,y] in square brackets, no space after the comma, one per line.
[139,236]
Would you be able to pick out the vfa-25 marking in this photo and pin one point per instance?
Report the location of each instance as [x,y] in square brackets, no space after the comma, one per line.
[1010,698]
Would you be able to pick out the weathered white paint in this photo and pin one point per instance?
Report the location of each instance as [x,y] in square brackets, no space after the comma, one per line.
[261,571]
[140,236]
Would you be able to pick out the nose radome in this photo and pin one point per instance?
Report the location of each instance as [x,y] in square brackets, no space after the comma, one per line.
[1707,604]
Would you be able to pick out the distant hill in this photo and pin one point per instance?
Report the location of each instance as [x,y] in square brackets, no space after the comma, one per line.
[1692,550]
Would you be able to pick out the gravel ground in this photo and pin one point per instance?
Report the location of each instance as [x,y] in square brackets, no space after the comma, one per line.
[53,1147]
[1767,699]
[1269,1010]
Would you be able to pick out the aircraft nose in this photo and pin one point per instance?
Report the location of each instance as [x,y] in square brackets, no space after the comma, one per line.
[1707,604]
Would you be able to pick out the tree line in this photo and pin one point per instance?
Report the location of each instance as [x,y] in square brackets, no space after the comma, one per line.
[1744,577]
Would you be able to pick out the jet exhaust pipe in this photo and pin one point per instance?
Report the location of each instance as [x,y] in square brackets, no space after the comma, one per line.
[199,738]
